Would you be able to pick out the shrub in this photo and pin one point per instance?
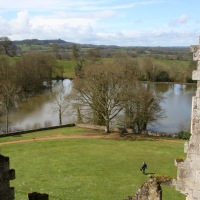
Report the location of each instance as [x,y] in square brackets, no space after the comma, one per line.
[162,76]
[179,159]
[184,135]
[162,178]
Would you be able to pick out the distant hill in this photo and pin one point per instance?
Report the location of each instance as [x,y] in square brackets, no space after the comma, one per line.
[106,51]
[61,43]
[40,42]
[69,44]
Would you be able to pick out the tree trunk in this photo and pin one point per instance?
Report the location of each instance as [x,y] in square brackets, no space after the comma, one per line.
[107,128]
[144,127]
[7,121]
[60,118]
[50,78]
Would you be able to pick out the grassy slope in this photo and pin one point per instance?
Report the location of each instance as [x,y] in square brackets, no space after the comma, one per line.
[89,169]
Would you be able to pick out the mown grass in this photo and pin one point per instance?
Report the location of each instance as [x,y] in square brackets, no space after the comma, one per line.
[88,169]
[50,133]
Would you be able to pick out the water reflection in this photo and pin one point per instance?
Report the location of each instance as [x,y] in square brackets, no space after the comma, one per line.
[177,105]
[37,111]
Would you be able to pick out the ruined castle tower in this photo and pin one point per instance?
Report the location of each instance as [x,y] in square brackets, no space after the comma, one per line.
[188,177]
[6,174]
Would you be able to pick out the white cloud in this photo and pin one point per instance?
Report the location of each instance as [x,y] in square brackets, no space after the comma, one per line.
[5,28]
[50,27]
[95,22]
[89,5]
[83,28]
[54,5]
[183,19]
[21,23]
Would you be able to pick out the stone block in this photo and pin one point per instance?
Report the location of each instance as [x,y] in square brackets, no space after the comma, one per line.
[191,157]
[198,157]
[11,174]
[181,187]
[186,145]
[194,48]
[194,103]
[196,52]
[196,129]
[198,94]
[197,179]
[194,185]
[182,173]
[193,147]
[192,175]
[196,193]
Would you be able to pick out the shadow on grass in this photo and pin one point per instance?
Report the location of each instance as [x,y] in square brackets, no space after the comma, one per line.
[139,138]
[17,135]
[149,173]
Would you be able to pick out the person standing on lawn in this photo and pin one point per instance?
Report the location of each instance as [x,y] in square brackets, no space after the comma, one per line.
[144,167]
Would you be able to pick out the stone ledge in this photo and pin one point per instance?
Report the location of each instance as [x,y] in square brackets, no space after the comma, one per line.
[196,75]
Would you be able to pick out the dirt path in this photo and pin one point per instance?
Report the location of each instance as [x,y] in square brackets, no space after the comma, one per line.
[88,136]
[111,136]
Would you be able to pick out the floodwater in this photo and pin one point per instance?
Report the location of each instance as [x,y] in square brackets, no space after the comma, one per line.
[177,105]
[39,111]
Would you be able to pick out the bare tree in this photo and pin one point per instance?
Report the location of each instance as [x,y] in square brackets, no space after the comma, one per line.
[102,91]
[147,68]
[61,102]
[55,50]
[77,59]
[7,46]
[108,90]
[9,96]
[9,88]
[142,108]
[93,56]
[37,68]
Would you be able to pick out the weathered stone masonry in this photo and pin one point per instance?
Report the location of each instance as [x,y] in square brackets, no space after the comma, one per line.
[6,174]
[188,175]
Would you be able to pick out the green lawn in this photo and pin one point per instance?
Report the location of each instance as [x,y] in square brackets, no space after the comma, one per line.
[53,132]
[88,169]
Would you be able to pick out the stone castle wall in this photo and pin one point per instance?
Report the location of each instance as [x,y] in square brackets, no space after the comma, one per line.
[6,174]
[188,174]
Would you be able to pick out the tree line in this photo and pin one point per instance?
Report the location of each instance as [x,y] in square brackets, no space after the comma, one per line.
[146,68]
[146,65]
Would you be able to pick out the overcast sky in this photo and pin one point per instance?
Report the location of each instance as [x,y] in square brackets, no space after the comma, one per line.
[108,22]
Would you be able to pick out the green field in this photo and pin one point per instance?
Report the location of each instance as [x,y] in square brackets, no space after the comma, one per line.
[88,168]
[68,67]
